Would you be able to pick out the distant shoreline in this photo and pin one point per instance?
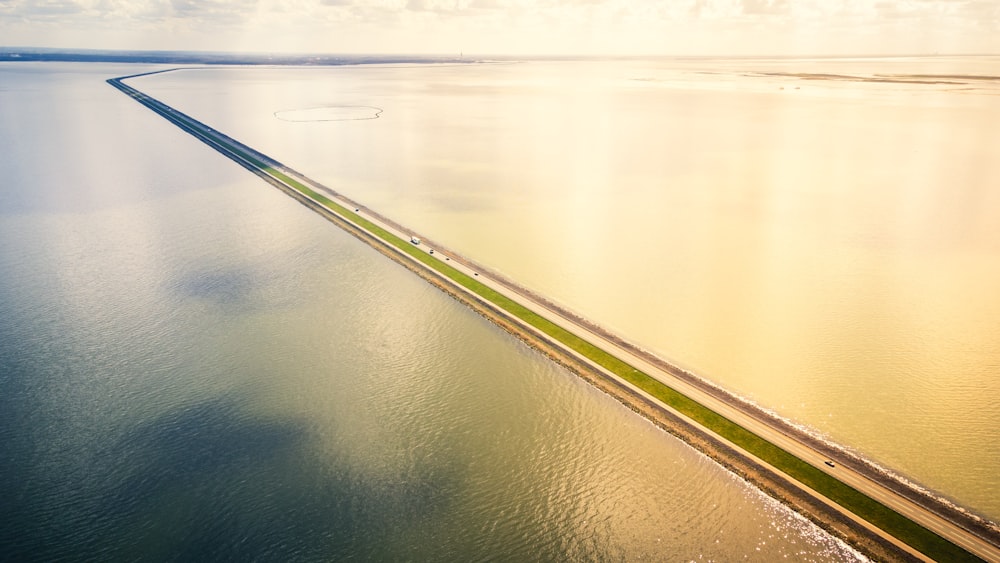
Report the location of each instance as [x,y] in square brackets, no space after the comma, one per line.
[212,58]
[27,54]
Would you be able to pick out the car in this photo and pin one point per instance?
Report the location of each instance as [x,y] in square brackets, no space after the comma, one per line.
[432,251]
[830,463]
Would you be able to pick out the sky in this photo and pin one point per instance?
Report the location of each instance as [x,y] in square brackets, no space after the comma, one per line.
[515,27]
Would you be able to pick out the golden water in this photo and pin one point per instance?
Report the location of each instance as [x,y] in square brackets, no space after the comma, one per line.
[828,248]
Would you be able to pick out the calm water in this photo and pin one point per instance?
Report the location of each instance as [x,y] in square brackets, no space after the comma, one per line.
[828,248]
[194,366]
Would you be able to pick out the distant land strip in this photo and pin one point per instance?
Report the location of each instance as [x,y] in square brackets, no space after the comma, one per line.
[803,480]
[210,58]
[938,79]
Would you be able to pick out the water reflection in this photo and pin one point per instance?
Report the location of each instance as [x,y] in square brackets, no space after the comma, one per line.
[202,368]
[828,247]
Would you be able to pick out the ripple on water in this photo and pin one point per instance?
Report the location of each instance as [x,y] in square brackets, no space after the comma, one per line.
[247,382]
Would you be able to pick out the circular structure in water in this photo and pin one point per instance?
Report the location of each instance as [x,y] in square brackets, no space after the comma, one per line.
[329,113]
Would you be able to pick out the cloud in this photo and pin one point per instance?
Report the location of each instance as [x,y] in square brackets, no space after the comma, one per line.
[430,6]
[46,9]
[218,11]
[512,26]
[765,7]
[119,12]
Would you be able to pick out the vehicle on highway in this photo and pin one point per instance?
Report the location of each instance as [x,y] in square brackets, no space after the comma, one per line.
[830,463]
[415,240]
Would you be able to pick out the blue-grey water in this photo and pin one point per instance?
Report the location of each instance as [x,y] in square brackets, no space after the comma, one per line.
[193,366]
[827,246]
